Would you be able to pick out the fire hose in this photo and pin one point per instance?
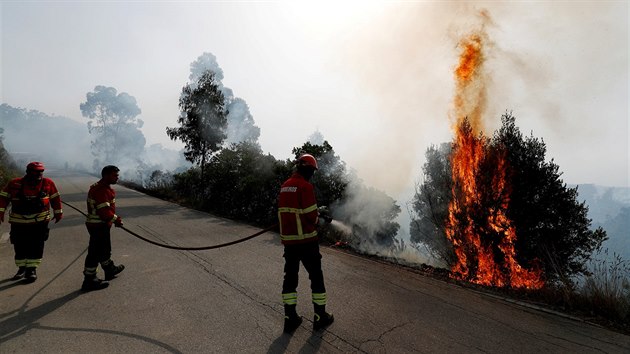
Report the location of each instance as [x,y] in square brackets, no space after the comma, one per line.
[187,248]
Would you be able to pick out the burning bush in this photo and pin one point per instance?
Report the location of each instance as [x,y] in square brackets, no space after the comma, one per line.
[513,199]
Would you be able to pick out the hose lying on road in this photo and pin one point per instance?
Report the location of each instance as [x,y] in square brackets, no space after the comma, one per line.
[187,248]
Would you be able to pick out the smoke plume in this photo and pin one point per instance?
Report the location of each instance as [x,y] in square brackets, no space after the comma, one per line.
[241,125]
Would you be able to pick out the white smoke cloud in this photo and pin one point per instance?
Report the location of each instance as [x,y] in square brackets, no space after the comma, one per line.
[559,67]
[241,125]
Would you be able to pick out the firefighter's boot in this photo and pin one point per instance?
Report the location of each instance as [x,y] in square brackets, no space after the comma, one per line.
[91,282]
[322,319]
[291,319]
[30,274]
[20,273]
[111,270]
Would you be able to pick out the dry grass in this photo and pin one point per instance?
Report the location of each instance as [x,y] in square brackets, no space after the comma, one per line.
[606,291]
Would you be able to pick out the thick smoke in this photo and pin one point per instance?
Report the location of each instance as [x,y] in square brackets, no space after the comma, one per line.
[63,143]
[317,138]
[560,66]
[114,127]
[405,60]
[369,221]
[365,217]
[241,125]
[59,142]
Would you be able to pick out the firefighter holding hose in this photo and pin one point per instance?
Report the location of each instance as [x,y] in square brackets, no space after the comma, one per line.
[298,218]
[31,197]
[101,205]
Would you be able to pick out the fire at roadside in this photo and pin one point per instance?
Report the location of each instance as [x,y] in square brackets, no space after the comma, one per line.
[478,227]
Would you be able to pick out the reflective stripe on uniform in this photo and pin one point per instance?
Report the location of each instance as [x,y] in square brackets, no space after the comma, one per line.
[29,219]
[298,211]
[33,263]
[20,262]
[55,195]
[298,237]
[4,194]
[89,271]
[94,219]
[102,205]
[319,298]
[298,221]
[289,298]
[60,211]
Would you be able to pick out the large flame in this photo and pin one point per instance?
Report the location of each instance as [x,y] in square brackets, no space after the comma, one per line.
[483,236]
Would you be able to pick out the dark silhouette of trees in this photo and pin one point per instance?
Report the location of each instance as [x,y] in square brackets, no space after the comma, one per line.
[550,221]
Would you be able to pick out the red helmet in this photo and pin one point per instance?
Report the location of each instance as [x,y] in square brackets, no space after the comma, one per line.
[35,166]
[307,160]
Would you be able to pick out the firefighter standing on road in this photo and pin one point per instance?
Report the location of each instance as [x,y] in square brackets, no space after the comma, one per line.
[101,205]
[298,217]
[30,197]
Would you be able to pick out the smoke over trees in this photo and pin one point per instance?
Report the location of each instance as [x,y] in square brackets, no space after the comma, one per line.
[551,225]
[240,122]
[113,123]
[370,213]
[34,135]
[202,122]
[331,179]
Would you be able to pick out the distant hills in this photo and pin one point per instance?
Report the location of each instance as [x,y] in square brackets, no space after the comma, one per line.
[609,207]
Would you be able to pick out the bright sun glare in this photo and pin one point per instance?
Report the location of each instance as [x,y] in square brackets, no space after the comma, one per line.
[328,17]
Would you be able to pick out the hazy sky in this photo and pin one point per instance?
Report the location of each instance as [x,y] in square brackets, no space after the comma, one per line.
[375,78]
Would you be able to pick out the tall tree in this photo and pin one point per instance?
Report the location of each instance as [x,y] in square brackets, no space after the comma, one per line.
[114,124]
[240,122]
[550,221]
[202,122]
[430,204]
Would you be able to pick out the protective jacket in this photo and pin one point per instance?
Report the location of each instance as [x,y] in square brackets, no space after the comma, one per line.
[297,211]
[30,204]
[101,205]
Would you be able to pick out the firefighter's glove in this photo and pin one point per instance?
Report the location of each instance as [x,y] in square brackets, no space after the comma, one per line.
[58,217]
[118,222]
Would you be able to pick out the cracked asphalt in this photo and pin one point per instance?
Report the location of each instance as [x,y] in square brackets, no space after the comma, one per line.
[228,300]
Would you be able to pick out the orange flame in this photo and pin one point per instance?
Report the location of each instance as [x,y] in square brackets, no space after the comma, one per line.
[483,237]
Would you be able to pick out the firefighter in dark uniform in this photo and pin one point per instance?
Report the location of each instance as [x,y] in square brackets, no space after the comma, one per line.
[298,218]
[30,197]
[101,205]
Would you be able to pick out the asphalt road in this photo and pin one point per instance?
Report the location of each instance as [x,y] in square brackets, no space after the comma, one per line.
[228,300]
